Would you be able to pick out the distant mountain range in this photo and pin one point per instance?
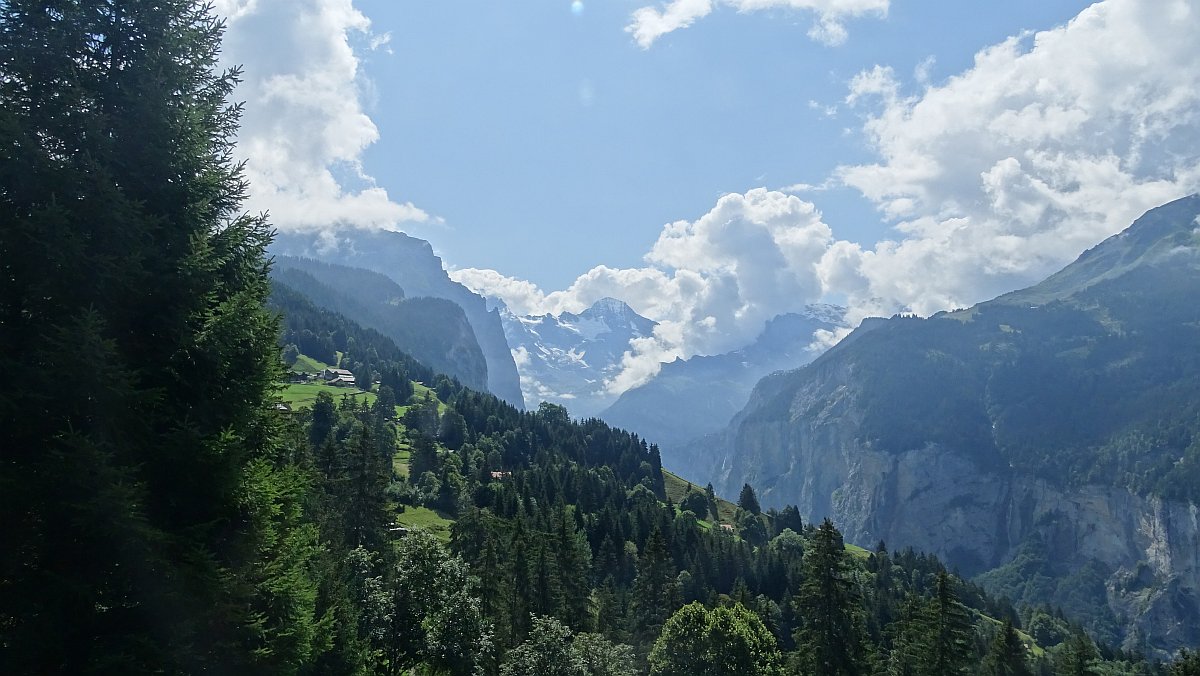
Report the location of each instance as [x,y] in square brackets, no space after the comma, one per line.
[567,359]
[411,263]
[1047,441]
[693,397]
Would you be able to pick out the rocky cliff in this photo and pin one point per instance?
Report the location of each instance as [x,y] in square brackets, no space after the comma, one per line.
[411,263]
[1047,442]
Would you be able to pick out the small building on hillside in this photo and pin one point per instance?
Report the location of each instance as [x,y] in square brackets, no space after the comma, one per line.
[338,377]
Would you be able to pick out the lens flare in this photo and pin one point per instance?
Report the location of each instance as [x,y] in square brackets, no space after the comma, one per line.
[577,7]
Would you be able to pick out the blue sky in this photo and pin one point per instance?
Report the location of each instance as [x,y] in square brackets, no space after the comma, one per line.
[716,163]
[533,130]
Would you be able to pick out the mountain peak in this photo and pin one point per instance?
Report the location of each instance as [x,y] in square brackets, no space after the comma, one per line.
[1160,232]
[610,306]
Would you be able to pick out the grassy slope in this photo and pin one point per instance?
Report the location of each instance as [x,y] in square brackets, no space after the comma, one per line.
[306,364]
[302,395]
[677,488]
[425,519]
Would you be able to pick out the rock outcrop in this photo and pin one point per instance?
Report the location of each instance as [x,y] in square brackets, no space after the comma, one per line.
[1046,442]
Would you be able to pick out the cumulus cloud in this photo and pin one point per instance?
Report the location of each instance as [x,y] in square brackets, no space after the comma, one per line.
[1049,143]
[992,179]
[650,23]
[305,125]
[711,283]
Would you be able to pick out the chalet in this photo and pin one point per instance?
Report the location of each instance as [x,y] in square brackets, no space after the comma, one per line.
[338,377]
[727,527]
[500,476]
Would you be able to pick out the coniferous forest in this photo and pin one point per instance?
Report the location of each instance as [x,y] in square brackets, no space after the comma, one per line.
[163,512]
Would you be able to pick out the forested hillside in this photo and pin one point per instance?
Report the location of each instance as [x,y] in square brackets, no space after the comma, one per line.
[433,330]
[1050,436]
[566,544]
[165,513]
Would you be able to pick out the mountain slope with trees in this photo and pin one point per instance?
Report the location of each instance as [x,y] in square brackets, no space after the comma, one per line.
[411,263]
[1058,426]
[163,514]
[433,330]
[583,557]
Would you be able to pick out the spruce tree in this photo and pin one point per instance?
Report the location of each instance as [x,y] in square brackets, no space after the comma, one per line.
[950,630]
[1006,655]
[748,501]
[655,590]
[150,520]
[831,640]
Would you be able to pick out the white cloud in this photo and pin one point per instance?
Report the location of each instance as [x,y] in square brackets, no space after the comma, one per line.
[650,23]
[711,283]
[305,127]
[1048,144]
[993,179]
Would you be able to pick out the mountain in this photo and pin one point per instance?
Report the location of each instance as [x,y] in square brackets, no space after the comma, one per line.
[597,486]
[433,330]
[693,397]
[411,263]
[565,359]
[1047,441]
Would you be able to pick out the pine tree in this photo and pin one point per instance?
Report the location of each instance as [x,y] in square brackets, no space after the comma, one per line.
[151,520]
[1077,656]
[748,501]
[655,590]
[831,640]
[711,495]
[1006,656]
[950,631]
[1187,664]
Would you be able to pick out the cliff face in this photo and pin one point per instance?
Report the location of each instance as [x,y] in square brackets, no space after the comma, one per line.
[1146,550]
[411,263]
[1046,442]
[1142,552]
[433,331]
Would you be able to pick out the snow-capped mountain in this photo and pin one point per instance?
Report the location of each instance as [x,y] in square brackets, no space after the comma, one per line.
[566,359]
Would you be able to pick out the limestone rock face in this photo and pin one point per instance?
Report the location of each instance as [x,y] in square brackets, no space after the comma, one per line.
[978,518]
[1046,442]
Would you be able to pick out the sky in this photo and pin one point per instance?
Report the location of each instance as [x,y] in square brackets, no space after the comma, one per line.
[717,162]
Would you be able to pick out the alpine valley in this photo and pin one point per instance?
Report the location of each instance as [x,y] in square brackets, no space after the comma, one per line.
[233,445]
[1046,443]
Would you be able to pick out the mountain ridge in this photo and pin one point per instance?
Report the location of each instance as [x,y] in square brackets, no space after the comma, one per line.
[1066,413]
[568,358]
[689,398]
[412,263]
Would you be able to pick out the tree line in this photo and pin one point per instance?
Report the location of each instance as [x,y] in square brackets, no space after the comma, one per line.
[161,515]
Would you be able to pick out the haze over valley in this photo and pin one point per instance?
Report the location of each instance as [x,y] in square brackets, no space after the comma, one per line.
[582,338]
